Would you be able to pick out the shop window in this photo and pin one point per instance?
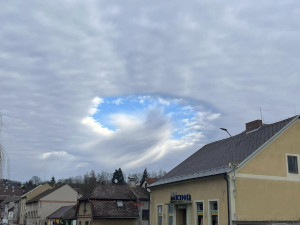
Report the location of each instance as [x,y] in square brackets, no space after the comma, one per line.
[292,164]
[199,206]
[170,214]
[213,212]
[159,215]
[145,214]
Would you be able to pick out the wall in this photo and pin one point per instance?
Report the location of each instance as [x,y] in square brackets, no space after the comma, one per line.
[265,191]
[203,189]
[28,196]
[63,196]
[84,213]
[32,213]
[145,206]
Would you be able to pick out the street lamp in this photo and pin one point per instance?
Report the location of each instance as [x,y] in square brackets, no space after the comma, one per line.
[226,131]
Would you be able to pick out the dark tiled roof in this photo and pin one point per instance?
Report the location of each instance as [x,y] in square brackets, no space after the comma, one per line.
[141,193]
[70,214]
[109,209]
[214,158]
[11,199]
[112,192]
[58,214]
[11,192]
[85,197]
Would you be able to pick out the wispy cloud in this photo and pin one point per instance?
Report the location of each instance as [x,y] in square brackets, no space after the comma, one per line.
[221,69]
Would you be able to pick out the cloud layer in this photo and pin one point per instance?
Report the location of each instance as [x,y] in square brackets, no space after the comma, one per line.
[227,59]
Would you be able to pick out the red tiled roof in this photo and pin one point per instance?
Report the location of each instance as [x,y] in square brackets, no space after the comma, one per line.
[151,180]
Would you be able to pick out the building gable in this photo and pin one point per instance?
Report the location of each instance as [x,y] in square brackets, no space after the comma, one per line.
[63,194]
[271,160]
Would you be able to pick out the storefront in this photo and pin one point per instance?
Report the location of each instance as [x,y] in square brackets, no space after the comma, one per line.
[198,202]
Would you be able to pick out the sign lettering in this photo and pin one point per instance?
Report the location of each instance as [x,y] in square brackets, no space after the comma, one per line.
[175,197]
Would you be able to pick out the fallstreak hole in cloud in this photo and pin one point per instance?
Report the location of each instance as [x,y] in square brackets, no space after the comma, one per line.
[148,127]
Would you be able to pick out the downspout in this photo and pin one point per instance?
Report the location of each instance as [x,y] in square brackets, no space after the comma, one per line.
[228,197]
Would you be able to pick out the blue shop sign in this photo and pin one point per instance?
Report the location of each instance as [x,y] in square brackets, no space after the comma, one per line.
[175,197]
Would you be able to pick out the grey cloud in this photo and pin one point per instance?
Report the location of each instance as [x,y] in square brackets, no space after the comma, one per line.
[55,57]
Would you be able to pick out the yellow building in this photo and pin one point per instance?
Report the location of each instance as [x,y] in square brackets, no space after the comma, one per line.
[250,178]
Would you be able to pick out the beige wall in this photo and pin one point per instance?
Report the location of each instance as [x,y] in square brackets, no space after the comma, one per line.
[265,191]
[205,189]
[29,195]
[63,196]
[271,160]
[267,200]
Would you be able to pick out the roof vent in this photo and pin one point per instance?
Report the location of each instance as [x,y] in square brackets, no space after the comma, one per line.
[253,125]
[119,203]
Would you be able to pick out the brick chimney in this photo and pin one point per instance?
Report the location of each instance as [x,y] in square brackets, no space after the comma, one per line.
[253,125]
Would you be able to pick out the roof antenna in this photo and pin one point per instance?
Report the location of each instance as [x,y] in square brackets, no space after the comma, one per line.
[261,117]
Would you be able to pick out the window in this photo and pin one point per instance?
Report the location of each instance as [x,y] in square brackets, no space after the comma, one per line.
[199,208]
[213,212]
[119,203]
[145,214]
[159,215]
[86,222]
[170,214]
[292,164]
[79,222]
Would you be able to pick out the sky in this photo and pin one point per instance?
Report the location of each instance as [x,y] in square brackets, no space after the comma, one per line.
[99,85]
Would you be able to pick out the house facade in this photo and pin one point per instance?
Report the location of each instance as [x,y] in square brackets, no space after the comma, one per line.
[114,205]
[250,178]
[41,206]
[10,204]
[16,211]
[28,196]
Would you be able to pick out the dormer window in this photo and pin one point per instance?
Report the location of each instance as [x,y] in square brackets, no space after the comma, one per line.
[292,164]
[119,203]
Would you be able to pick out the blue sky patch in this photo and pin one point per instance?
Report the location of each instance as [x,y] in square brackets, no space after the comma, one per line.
[180,115]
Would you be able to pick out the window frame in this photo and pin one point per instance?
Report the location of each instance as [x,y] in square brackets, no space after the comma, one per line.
[196,211]
[209,210]
[159,215]
[293,156]
[171,214]
[147,215]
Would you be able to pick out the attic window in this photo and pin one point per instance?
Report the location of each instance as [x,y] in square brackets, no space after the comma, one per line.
[292,164]
[119,203]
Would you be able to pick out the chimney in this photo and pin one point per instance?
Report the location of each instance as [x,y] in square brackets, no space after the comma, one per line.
[253,125]
[132,181]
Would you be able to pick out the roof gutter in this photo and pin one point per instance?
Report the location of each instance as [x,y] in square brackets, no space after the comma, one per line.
[228,197]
